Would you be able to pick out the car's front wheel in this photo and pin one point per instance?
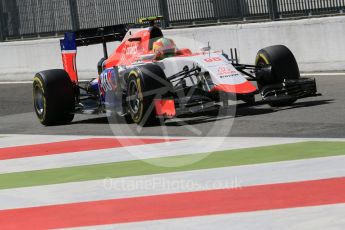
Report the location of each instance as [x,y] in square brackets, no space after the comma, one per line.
[283,67]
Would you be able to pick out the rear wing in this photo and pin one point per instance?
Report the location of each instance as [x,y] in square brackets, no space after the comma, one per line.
[87,37]
[151,20]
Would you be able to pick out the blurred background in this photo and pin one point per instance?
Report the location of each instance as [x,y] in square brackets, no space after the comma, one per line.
[27,19]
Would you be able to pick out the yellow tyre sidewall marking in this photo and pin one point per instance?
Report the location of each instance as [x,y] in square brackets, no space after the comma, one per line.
[263,57]
[139,116]
[40,83]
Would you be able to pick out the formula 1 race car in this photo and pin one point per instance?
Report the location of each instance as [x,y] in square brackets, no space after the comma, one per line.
[143,83]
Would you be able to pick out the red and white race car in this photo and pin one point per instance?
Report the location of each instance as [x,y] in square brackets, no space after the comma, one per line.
[147,78]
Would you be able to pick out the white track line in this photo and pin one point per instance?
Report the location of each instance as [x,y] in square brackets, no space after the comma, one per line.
[144,152]
[26,82]
[331,217]
[231,177]
[15,82]
[322,74]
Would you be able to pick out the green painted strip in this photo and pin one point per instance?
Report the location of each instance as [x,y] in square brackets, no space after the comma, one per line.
[277,153]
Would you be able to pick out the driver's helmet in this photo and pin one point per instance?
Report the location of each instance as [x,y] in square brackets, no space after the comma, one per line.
[164,47]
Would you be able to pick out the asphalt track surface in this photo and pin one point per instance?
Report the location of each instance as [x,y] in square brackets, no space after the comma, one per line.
[322,117]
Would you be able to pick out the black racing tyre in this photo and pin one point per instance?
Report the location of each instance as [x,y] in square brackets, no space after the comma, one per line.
[250,100]
[54,97]
[283,67]
[144,84]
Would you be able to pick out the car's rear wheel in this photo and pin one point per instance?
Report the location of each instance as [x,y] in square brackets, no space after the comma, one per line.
[53,97]
[144,85]
[283,67]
